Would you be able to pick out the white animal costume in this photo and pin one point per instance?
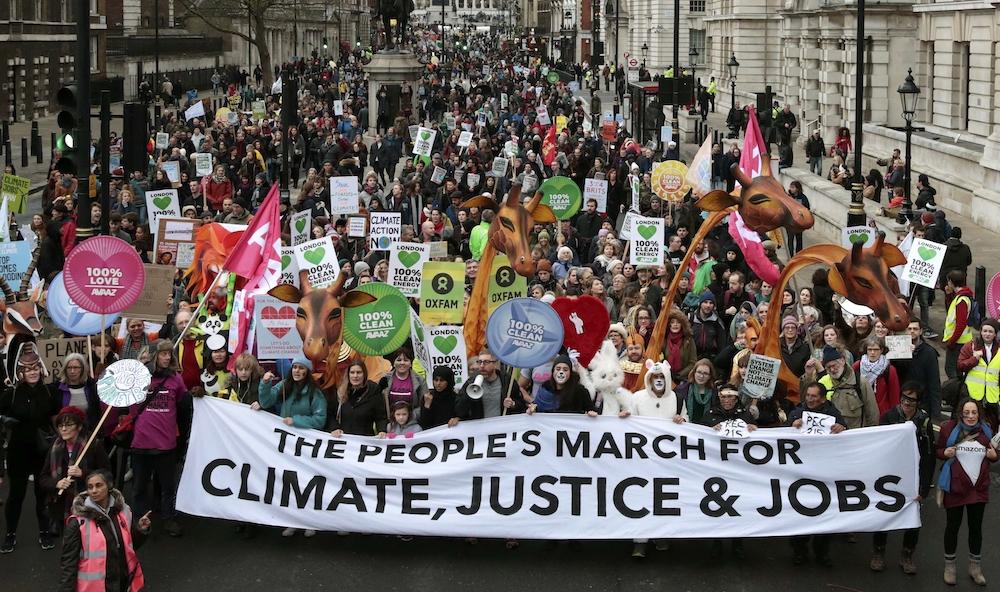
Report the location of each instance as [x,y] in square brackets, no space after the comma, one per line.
[646,403]
[604,380]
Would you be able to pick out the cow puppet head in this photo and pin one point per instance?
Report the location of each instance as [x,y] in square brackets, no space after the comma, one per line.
[319,321]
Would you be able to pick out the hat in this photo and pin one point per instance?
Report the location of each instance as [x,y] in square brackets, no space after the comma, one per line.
[544,233]
[361,267]
[831,354]
[603,232]
[208,214]
[436,155]
[769,245]
[548,298]
[706,297]
[74,411]
[927,218]
[185,209]
[619,329]
[671,144]
[644,267]
[61,208]
[342,262]
[303,362]
[531,153]
[239,201]
[562,360]
[956,232]
[544,265]
[789,320]
[612,263]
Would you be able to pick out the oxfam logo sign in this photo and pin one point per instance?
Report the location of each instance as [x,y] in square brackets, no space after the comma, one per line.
[563,196]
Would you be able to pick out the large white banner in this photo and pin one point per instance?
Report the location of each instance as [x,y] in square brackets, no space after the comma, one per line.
[550,477]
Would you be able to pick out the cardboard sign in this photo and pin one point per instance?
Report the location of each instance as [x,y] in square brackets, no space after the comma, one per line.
[439,250]
[858,234]
[343,195]
[338,108]
[596,189]
[259,110]
[464,139]
[172,169]
[162,203]
[235,101]
[472,180]
[162,140]
[762,377]
[276,335]
[543,115]
[423,143]
[666,133]
[499,167]
[625,233]
[899,347]
[15,192]
[54,351]
[152,302]
[289,267]
[384,228]
[442,292]
[175,241]
[510,149]
[505,284]
[319,259]
[816,423]
[734,428]
[301,226]
[124,383]
[446,347]
[647,241]
[104,275]
[561,122]
[406,261]
[923,264]
[203,164]
[357,226]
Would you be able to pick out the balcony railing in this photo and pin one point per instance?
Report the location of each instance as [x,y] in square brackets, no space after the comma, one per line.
[172,45]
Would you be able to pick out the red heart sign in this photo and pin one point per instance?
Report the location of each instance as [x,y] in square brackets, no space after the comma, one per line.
[270,313]
[585,324]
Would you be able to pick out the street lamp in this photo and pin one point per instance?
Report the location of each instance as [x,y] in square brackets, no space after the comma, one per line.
[909,92]
[734,69]
[693,58]
[645,53]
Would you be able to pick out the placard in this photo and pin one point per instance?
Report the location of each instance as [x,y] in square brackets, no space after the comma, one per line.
[423,143]
[385,228]
[472,180]
[899,346]
[380,327]
[162,203]
[439,250]
[406,261]
[319,259]
[68,316]
[865,235]
[104,275]
[274,324]
[464,139]
[175,241]
[816,423]
[762,377]
[289,267]
[203,164]
[15,191]
[442,292]
[647,245]
[162,140]
[344,195]
[561,122]
[993,297]
[152,302]
[301,227]
[259,110]
[499,167]
[15,257]
[923,264]
[666,134]
[357,226]
[172,169]
[523,332]
[505,283]
[543,114]
[734,428]
[124,383]
[437,177]
[669,180]
[596,189]
[446,347]
[338,107]
[624,233]
[53,352]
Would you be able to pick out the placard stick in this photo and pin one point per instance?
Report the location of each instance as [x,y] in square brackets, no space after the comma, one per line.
[510,387]
[90,352]
[90,440]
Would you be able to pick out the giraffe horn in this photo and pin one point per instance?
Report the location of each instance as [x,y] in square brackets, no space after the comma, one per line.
[26,281]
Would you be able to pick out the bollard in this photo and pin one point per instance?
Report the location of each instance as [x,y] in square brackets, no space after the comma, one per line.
[24,153]
[38,148]
[36,145]
[52,144]
[981,290]
[5,136]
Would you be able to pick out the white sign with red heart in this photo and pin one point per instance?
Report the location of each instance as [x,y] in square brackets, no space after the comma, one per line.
[277,336]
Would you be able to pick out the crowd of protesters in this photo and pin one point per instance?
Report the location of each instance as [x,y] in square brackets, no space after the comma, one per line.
[714,320]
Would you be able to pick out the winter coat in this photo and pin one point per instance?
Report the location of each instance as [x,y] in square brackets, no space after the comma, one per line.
[827,408]
[116,566]
[57,463]
[957,255]
[925,442]
[710,336]
[963,491]
[394,429]
[94,406]
[853,397]
[923,369]
[468,408]
[795,356]
[360,414]
[33,407]
[308,410]
[925,198]
[441,410]
[419,388]
[717,415]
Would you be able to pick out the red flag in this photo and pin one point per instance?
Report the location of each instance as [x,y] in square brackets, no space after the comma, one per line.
[549,146]
[257,255]
[747,239]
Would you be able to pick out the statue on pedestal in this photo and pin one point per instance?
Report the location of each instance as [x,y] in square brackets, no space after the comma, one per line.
[395,17]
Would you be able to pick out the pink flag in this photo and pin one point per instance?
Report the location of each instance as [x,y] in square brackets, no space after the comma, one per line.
[747,239]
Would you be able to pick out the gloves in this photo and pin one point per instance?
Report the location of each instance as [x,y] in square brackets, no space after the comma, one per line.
[8,422]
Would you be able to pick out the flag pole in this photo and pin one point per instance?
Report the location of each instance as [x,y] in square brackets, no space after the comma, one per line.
[201,305]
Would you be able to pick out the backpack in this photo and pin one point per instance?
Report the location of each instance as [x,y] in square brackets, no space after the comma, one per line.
[975,315]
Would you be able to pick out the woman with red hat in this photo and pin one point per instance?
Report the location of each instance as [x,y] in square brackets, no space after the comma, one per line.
[65,469]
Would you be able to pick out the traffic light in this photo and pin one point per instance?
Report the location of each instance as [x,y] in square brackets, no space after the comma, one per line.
[325,46]
[135,135]
[68,119]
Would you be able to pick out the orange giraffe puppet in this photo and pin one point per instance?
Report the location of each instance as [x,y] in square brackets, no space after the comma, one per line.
[508,234]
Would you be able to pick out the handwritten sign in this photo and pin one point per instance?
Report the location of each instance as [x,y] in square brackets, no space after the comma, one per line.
[124,383]
[734,428]
[152,302]
[923,263]
[899,347]
[343,195]
[762,376]
[816,423]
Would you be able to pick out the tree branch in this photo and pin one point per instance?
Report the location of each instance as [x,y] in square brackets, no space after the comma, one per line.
[208,20]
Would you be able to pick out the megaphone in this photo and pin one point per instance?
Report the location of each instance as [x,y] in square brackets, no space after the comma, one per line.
[475,391]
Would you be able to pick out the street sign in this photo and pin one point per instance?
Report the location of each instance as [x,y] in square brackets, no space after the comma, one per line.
[633,63]
[626,54]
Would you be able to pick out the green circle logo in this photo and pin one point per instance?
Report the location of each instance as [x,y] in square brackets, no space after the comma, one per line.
[380,327]
[563,196]
[553,77]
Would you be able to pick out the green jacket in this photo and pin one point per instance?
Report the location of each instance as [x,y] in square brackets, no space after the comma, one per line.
[477,240]
[307,411]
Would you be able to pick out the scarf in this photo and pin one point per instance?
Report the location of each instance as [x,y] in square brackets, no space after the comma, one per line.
[872,370]
[674,343]
[700,400]
[130,351]
[944,480]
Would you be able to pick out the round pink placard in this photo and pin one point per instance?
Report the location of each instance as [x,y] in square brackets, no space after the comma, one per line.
[993,297]
[104,275]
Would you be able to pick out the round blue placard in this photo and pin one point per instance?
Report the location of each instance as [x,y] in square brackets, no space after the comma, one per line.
[524,332]
[68,316]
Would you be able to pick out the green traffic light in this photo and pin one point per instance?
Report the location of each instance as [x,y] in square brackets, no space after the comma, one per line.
[65,142]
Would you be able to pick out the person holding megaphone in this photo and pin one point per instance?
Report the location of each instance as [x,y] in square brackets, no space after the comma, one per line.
[490,393]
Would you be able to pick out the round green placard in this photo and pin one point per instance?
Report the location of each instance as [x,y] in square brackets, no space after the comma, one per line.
[563,196]
[380,327]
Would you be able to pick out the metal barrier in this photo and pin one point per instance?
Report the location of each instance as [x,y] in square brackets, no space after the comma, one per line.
[981,289]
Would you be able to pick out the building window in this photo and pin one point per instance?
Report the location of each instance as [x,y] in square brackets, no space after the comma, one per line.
[64,11]
[93,6]
[696,37]
[15,10]
[697,6]
[38,11]
[94,66]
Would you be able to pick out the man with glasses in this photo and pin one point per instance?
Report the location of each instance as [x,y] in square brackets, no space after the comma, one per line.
[908,410]
[494,399]
[922,368]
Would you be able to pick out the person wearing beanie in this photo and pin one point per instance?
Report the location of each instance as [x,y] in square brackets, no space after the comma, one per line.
[58,473]
[361,268]
[957,255]
[303,404]
[617,335]
[438,405]
[241,213]
[934,226]
[814,400]
[562,392]
[710,335]
[849,391]
[794,350]
[543,276]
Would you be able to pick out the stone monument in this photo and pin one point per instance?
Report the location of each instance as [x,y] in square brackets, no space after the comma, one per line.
[392,66]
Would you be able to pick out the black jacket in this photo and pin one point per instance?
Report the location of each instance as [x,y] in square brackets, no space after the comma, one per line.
[796,356]
[466,408]
[923,369]
[827,408]
[957,255]
[60,506]
[925,442]
[815,147]
[33,408]
[441,410]
[116,570]
[717,415]
[363,412]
